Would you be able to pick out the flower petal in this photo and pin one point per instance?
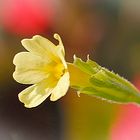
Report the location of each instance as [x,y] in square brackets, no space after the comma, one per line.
[61,87]
[34,95]
[30,68]
[60,45]
[38,45]
[41,46]
[60,50]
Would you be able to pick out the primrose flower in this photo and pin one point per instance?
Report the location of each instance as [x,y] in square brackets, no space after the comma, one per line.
[44,67]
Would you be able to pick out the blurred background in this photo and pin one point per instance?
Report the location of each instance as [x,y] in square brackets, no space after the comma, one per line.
[108,30]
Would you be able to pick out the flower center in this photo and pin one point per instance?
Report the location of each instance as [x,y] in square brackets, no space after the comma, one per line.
[58,70]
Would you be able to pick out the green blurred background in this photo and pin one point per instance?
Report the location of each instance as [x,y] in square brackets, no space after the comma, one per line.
[108,30]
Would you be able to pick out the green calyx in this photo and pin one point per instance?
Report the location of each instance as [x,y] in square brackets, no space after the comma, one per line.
[105,84]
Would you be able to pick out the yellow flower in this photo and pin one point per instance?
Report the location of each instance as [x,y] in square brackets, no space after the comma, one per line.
[44,67]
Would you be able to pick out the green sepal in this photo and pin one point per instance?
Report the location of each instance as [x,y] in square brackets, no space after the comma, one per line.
[105,84]
[90,67]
